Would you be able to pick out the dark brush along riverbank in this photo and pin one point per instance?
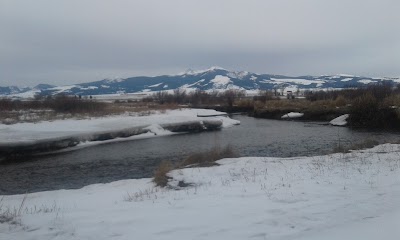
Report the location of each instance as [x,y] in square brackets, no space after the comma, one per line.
[370,118]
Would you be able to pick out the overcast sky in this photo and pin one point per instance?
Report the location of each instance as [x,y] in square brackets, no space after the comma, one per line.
[72,41]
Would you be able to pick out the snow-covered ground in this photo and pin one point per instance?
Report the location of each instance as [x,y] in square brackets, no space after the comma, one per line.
[33,132]
[339,196]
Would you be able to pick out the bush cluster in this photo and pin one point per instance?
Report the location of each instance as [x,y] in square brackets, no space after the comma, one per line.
[380,91]
[59,103]
[196,98]
[67,104]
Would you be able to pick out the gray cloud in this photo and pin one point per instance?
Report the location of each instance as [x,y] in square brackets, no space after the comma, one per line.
[72,41]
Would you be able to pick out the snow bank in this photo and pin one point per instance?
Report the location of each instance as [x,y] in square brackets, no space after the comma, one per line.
[340,121]
[293,115]
[72,131]
[339,196]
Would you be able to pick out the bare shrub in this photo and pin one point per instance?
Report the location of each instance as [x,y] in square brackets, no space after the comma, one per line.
[264,96]
[6,104]
[63,103]
[321,95]
[59,103]
[230,96]
[196,98]
[365,111]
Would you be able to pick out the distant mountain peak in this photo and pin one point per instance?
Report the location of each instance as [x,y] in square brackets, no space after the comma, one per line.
[345,75]
[195,72]
[213,68]
[114,79]
[240,74]
[43,86]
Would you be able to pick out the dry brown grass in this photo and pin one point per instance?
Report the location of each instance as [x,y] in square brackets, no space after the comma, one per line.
[285,104]
[299,105]
[368,143]
[160,174]
[341,101]
[393,100]
[245,103]
[25,112]
[138,106]
[258,105]
[208,158]
[201,159]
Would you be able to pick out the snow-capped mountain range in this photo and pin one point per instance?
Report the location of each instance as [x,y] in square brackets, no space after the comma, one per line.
[214,78]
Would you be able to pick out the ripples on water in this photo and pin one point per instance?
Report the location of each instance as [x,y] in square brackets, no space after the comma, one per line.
[138,159]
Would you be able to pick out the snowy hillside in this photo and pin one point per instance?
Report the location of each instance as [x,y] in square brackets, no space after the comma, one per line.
[214,78]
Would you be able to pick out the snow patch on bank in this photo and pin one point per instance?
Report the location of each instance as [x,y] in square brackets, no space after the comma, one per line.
[340,121]
[34,132]
[292,115]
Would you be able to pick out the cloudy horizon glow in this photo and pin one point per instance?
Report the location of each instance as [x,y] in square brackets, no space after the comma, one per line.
[75,41]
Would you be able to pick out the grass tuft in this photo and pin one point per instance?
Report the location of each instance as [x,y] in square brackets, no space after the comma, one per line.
[8,215]
[160,174]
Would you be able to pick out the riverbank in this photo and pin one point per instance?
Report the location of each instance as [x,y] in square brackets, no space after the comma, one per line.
[45,136]
[338,196]
[310,113]
[368,119]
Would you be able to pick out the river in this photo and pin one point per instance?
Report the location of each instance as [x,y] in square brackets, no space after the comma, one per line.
[138,159]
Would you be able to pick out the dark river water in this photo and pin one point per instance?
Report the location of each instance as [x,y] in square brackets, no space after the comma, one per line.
[138,158]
